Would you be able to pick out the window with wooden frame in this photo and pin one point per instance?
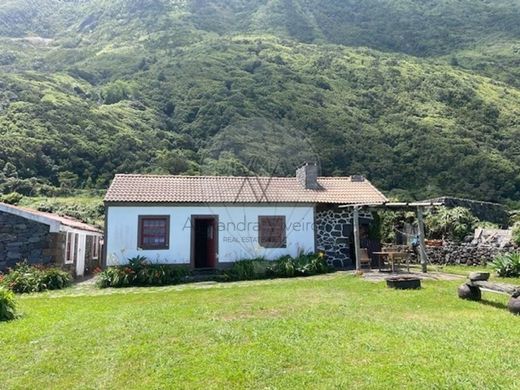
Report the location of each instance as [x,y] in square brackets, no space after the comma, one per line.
[95,247]
[154,232]
[70,248]
[271,232]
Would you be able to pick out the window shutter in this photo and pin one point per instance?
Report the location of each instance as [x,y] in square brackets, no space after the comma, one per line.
[272,232]
[154,232]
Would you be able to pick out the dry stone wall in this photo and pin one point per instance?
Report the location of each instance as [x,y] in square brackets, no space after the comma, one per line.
[22,239]
[465,253]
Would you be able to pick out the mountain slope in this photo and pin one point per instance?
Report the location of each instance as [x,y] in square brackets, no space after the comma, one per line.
[191,87]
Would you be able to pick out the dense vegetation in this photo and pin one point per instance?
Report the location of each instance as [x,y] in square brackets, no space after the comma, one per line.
[140,271]
[90,88]
[507,265]
[25,278]
[7,305]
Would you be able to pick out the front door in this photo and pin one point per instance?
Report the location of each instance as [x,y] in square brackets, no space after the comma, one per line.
[204,239]
[80,263]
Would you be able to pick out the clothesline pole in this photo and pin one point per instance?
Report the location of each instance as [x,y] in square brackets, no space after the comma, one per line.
[357,241]
[422,243]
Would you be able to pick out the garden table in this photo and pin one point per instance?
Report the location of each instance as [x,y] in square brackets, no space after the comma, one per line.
[393,258]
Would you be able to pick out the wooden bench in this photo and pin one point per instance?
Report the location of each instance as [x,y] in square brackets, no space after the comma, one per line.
[478,281]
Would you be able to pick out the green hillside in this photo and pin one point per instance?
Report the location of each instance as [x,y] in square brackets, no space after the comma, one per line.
[422,96]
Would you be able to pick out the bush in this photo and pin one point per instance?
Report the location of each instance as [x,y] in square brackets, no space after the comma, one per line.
[303,265]
[507,265]
[452,224]
[25,278]
[114,277]
[55,279]
[516,234]
[7,305]
[248,269]
[12,198]
[284,267]
[140,272]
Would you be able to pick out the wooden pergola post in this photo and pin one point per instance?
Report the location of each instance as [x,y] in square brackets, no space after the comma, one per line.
[422,243]
[357,240]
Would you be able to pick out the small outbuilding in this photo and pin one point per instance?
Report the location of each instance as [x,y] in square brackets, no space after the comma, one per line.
[48,239]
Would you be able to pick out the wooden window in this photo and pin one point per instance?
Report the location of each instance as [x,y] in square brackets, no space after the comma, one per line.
[271,232]
[70,248]
[154,232]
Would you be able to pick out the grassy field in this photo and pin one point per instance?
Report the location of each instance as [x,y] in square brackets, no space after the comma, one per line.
[464,270]
[333,331]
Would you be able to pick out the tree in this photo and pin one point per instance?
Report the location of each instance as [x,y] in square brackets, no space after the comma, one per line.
[68,179]
[452,224]
[10,170]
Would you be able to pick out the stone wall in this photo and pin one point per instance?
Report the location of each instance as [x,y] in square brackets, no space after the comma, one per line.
[90,263]
[22,239]
[465,253]
[334,233]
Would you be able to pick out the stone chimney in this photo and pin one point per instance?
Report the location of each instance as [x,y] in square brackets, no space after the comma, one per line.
[307,176]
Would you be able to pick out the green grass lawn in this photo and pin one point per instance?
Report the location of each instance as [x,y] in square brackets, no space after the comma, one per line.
[464,270]
[333,331]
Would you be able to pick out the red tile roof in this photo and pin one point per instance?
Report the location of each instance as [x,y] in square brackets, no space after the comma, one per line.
[231,189]
[66,221]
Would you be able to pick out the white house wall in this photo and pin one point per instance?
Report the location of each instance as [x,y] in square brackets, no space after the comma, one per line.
[237,237]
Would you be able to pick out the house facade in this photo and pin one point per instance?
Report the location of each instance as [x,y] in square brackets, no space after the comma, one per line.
[212,222]
[48,239]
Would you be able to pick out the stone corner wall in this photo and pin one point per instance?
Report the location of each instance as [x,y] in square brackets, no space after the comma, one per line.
[334,233]
[23,239]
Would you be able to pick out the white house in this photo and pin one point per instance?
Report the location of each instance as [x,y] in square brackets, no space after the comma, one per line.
[210,222]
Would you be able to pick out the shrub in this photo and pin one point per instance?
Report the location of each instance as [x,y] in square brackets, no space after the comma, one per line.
[161,275]
[453,224]
[516,234]
[284,267]
[55,279]
[25,278]
[7,305]
[248,269]
[140,272]
[12,198]
[507,265]
[114,277]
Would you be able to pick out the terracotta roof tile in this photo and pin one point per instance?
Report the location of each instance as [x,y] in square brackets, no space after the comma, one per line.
[231,189]
[67,221]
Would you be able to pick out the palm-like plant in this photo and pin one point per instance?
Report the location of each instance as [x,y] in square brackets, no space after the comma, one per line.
[507,265]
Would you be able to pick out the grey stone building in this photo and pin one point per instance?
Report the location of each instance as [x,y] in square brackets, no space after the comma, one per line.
[47,239]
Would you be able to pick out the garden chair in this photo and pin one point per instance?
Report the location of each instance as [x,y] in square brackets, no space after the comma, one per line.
[364,259]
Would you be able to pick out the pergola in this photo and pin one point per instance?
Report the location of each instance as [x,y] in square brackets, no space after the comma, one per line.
[419,206]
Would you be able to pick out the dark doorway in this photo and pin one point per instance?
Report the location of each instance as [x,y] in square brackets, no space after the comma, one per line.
[204,239]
